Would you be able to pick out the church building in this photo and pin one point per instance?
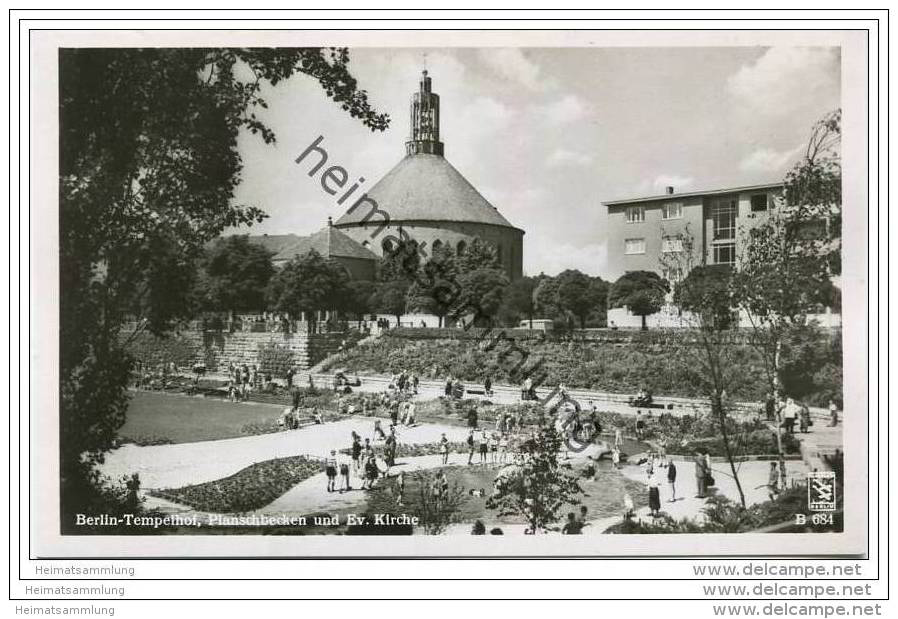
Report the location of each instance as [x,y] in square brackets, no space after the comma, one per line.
[429,200]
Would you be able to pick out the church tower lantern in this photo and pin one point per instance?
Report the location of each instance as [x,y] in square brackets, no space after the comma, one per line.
[425,121]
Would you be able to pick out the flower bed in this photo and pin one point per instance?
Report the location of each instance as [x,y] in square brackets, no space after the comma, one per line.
[248,489]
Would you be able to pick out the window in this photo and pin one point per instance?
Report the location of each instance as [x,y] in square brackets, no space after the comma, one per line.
[635,214]
[387,246]
[461,247]
[759,202]
[437,245]
[672,210]
[672,274]
[725,253]
[670,244]
[723,215]
[634,246]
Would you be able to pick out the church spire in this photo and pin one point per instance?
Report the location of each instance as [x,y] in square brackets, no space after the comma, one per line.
[425,121]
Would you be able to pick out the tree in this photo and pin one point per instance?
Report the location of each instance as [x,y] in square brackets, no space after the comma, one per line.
[148,159]
[309,283]
[642,292]
[435,289]
[545,298]
[713,358]
[791,255]
[581,295]
[477,255]
[401,260]
[540,487]
[482,292]
[708,291]
[436,512]
[235,275]
[519,300]
[359,298]
[390,297]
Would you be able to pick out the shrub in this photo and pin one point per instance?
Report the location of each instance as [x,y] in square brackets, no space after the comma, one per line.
[248,489]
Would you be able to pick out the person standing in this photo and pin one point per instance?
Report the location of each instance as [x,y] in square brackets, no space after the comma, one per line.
[330,470]
[701,475]
[672,480]
[488,385]
[654,495]
[356,451]
[773,481]
[790,413]
[484,446]
[344,475]
[470,442]
[833,414]
[444,449]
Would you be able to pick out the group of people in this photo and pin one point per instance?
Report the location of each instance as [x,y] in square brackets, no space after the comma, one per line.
[454,388]
[491,446]
[405,382]
[792,412]
[243,379]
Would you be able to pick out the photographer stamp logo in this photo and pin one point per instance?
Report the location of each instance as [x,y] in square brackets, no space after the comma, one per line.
[822,491]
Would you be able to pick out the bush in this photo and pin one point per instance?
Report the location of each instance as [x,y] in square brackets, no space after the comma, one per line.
[248,489]
[275,359]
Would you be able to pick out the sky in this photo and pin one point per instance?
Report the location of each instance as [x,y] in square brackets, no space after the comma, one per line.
[548,134]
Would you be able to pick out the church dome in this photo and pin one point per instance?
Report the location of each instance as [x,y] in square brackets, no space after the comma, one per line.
[425,187]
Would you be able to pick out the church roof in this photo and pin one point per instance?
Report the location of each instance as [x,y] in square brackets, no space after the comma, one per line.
[426,187]
[329,242]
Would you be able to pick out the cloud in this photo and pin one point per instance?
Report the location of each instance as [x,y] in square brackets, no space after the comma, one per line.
[512,64]
[565,110]
[785,79]
[485,114]
[769,160]
[563,157]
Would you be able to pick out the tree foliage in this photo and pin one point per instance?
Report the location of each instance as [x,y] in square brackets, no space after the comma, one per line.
[540,486]
[148,165]
[390,297]
[642,292]
[309,283]
[234,275]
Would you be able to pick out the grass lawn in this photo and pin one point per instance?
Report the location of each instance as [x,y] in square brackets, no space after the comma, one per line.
[183,419]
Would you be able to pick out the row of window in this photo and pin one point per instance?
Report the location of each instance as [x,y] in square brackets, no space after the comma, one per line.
[669,244]
[669,210]
[674,210]
[722,253]
[461,246]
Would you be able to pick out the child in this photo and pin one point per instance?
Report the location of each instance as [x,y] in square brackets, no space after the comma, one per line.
[444,448]
[628,506]
[330,469]
[494,447]
[503,448]
[344,475]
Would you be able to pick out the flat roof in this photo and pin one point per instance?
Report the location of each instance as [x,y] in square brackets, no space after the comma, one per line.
[692,194]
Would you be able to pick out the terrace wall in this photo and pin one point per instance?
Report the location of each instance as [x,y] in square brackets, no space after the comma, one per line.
[274,352]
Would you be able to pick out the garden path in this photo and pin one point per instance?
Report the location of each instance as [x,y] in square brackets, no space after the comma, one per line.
[172,466]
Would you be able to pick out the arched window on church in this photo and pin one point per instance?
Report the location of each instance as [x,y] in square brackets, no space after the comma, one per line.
[461,247]
[436,245]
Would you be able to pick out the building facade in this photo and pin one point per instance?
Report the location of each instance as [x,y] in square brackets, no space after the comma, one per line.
[426,199]
[670,233]
[651,233]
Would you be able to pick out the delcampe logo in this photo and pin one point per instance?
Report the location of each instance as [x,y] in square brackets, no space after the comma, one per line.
[822,491]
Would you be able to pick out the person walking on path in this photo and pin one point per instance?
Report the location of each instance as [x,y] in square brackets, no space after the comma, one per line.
[672,480]
[701,475]
[790,413]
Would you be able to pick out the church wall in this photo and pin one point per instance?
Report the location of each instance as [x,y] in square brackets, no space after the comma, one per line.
[509,242]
